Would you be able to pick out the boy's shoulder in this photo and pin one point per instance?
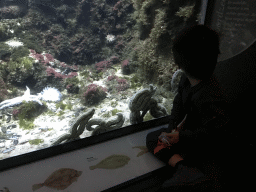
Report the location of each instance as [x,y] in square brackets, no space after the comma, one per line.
[210,94]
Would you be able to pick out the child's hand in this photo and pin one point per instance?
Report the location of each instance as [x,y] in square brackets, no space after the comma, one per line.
[172,137]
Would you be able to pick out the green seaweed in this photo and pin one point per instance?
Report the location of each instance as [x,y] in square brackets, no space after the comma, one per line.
[26,124]
[26,62]
[113,103]
[36,141]
[3,31]
[115,111]
[28,110]
[19,52]
[135,82]
[63,106]
[147,117]
[106,115]
[4,50]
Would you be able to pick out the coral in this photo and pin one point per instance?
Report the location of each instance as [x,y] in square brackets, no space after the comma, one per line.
[103,65]
[71,88]
[120,45]
[93,94]
[114,59]
[51,72]
[125,67]
[49,58]
[72,85]
[110,78]
[122,84]
[36,56]
[116,84]
[15,113]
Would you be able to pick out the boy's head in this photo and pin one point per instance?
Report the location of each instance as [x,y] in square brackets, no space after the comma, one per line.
[196,51]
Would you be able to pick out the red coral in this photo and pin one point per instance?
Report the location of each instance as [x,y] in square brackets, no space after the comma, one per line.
[49,58]
[94,94]
[123,85]
[114,59]
[38,57]
[72,74]
[103,65]
[117,5]
[50,71]
[15,113]
[125,63]
[111,77]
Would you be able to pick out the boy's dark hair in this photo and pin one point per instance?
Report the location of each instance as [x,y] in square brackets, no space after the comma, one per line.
[196,50]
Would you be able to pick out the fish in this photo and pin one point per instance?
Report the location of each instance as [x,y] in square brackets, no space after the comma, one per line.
[143,148]
[59,179]
[112,162]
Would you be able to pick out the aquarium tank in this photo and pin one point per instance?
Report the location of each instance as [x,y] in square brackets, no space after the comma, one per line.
[73,69]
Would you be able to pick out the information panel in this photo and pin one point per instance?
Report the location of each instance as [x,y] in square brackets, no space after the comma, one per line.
[235,21]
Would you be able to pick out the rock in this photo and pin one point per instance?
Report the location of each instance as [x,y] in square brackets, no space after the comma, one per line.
[15,142]
[11,126]
[8,119]
[103,110]
[4,129]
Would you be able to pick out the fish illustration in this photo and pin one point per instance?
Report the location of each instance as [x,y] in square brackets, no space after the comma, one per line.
[59,179]
[112,162]
[143,148]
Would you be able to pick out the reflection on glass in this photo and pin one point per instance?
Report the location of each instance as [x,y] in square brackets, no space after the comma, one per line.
[72,69]
[235,20]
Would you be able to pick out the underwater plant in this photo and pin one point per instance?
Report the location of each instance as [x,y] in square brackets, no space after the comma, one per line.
[19,52]
[28,111]
[115,111]
[3,90]
[147,117]
[103,65]
[93,94]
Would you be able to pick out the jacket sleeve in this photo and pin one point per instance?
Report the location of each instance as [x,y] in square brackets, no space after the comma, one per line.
[214,116]
[177,113]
